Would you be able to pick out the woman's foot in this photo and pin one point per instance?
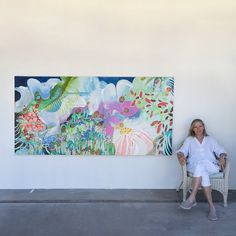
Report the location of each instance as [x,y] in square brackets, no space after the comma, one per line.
[188,204]
[212,214]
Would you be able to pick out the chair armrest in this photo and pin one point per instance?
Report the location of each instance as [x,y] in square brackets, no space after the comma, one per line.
[184,169]
[184,172]
[226,169]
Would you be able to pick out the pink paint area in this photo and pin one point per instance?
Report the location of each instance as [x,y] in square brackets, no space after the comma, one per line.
[110,123]
[123,108]
[116,113]
[134,143]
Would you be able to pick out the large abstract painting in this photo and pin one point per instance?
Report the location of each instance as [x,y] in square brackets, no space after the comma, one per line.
[84,116]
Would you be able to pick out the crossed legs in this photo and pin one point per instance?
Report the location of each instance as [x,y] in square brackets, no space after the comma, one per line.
[207,192]
[201,178]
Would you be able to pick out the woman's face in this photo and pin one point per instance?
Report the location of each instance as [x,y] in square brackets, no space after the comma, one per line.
[198,129]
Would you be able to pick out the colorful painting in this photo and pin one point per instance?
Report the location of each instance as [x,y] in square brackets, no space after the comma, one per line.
[84,116]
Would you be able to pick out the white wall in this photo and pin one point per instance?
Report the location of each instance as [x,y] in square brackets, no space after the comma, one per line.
[194,41]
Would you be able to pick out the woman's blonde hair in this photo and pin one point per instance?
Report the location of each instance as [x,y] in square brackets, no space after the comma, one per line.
[191,132]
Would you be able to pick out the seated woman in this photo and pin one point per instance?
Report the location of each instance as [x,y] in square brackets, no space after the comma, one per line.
[200,151]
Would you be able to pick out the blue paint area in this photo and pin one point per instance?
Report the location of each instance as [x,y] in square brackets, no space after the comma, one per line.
[115,80]
[22,80]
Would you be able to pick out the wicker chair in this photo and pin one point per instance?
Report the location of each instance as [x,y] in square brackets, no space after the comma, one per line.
[219,181]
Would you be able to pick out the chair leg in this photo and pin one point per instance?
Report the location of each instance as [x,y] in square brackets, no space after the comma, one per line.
[184,193]
[225,195]
[177,190]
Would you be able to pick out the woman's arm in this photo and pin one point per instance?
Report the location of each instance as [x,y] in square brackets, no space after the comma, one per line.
[220,153]
[183,151]
[222,160]
[181,158]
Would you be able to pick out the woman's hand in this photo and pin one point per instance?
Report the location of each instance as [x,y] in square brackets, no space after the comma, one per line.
[222,160]
[181,158]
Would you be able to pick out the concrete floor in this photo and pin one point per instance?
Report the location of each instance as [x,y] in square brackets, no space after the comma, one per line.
[109,213]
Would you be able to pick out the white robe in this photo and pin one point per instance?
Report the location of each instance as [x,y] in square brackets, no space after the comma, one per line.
[197,152]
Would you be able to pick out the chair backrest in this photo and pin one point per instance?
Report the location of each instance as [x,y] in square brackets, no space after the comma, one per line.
[227,167]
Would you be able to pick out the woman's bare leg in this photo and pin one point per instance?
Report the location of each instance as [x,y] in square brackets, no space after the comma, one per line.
[212,211]
[195,185]
[207,192]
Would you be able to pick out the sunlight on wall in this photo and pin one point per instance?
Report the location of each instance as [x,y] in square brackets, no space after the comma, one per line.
[193,41]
